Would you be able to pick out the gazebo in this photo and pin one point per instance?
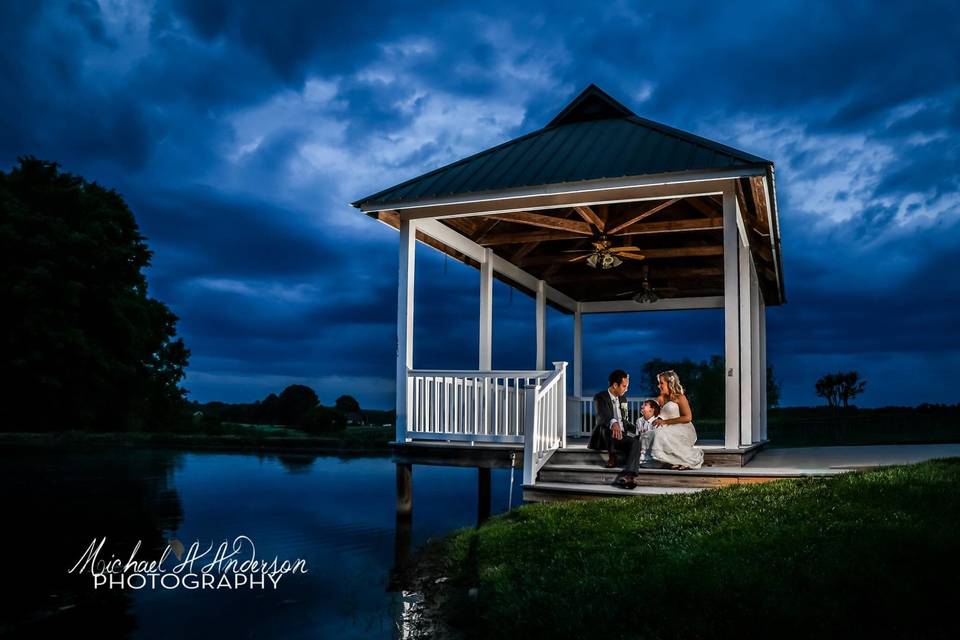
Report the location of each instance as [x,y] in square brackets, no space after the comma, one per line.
[599,211]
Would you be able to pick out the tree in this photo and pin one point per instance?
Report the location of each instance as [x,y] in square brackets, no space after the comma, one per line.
[773,389]
[84,345]
[322,419]
[347,404]
[827,387]
[850,386]
[294,403]
[840,387]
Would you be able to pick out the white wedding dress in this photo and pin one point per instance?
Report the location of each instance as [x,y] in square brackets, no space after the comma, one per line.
[673,443]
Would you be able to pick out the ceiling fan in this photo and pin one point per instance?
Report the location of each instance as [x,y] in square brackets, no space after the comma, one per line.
[604,255]
[646,293]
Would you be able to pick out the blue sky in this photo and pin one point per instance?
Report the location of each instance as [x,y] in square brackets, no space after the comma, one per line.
[239,132]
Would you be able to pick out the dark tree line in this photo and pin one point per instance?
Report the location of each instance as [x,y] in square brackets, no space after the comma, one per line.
[296,406]
[84,345]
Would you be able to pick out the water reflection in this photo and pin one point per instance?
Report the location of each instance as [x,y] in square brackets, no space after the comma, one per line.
[337,514]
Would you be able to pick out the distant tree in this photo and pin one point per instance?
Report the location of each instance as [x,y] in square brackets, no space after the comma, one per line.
[322,419]
[266,412]
[347,404]
[828,387]
[294,403]
[850,386]
[840,388]
[773,389]
[84,346]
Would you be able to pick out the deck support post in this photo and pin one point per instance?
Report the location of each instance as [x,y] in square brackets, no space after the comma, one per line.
[755,365]
[486,311]
[746,339]
[578,353]
[541,325]
[731,319]
[404,489]
[762,340]
[405,289]
[483,494]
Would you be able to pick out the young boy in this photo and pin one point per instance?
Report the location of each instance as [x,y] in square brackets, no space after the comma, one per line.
[639,452]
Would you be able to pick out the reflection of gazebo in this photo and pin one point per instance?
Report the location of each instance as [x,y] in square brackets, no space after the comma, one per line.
[681,222]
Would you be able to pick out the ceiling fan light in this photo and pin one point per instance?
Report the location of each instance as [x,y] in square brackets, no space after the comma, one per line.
[592,260]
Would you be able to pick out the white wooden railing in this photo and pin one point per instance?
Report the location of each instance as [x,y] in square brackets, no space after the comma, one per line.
[587,413]
[545,421]
[473,406]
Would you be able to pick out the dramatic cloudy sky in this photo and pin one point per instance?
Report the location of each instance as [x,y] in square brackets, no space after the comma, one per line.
[239,131]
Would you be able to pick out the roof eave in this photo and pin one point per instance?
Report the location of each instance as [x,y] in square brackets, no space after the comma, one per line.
[744,170]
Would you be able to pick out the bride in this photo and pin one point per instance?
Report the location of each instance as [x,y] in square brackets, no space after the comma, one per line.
[674,435]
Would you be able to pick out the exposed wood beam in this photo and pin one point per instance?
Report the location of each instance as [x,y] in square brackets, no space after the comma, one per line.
[634,277]
[393,219]
[547,222]
[759,198]
[700,224]
[639,228]
[651,254]
[637,217]
[521,253]
[484,228]
[465,226]
[587,213]
[703,206]
[524,237]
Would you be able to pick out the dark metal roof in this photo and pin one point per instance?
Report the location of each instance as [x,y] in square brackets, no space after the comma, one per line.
[593,137]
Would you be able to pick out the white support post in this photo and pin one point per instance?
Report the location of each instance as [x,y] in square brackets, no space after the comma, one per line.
[755,369]
[578,353]
[542,326]
[762,331]
[405,289]
[746,339]
[486,311]
[731,321]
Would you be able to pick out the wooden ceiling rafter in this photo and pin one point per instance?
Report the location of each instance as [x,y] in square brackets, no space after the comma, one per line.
[546,222]
[590,216]
[635,217]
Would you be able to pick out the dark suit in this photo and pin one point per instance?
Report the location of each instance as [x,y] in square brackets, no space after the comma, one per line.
[602,437]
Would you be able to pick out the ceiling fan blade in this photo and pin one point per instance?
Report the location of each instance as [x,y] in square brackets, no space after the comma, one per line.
[578,251]
[625,249]
[583,257]
[633,256]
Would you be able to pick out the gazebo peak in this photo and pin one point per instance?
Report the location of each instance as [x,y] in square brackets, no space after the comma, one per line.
[593,103]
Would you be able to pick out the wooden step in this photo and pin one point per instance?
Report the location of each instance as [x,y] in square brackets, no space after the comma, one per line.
[714,454]
[580,474]
[552,492]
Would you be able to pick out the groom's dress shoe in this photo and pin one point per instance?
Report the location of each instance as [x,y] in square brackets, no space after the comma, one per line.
[612,462]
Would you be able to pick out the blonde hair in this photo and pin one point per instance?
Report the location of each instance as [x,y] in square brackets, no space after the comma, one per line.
[673,382]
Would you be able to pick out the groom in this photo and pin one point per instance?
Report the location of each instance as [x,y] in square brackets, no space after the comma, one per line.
[611,428]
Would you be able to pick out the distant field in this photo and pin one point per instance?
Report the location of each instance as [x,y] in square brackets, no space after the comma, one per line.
[823,426]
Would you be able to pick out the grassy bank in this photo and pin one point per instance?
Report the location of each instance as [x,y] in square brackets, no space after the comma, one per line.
[866,552]
[226,438]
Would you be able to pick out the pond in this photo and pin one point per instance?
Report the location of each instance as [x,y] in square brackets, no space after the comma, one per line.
[337,514]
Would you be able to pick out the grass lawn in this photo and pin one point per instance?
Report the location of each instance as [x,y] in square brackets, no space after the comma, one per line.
[869,553]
